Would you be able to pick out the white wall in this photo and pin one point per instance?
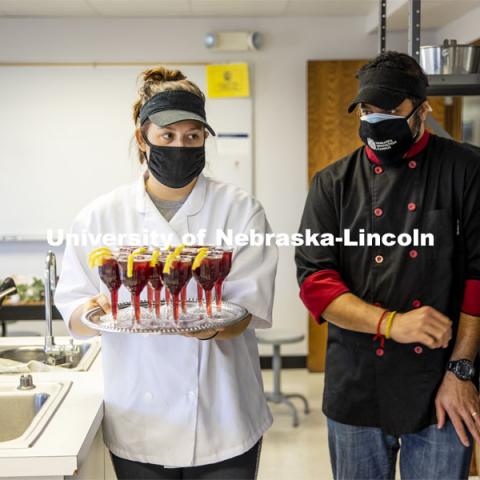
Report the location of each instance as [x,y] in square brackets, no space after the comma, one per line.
[465,29]
[279,89]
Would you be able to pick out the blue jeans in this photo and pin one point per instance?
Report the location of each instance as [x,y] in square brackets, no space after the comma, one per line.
[366,453]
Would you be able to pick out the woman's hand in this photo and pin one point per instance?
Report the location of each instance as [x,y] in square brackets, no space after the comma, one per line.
[101,301]
[76,324]
[205,334]
[223,333]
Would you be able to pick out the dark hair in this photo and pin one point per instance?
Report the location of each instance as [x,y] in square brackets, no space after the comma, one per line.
[398,61]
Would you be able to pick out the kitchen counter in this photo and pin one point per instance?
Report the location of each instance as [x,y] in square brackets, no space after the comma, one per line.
[67,439]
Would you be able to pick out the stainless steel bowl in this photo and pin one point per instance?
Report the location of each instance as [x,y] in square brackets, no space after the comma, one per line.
[450,58]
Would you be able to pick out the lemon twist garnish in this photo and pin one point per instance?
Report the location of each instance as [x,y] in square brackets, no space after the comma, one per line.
[155,255]
[99,260]
[168,263]
[199,258]
[179,250]
[131,257]
[95,252]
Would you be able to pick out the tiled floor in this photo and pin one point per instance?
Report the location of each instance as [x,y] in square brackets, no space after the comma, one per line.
[296,453]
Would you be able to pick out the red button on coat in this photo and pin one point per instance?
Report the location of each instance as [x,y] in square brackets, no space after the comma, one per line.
[413,253]
[379,352]
[412,206]
[379,259]
[412,164]
[416,303]
[418,350]
[378,212]
[378,170]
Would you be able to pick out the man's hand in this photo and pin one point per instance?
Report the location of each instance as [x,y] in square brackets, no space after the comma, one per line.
[423,325]
[459,400]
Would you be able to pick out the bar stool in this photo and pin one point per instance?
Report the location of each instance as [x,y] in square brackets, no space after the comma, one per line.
[278,338]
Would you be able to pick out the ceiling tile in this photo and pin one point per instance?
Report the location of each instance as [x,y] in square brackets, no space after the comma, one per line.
[141,8]
[330,8]
[51,8]
[236,8]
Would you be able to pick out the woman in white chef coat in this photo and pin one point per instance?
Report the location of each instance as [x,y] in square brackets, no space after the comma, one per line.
[177,406]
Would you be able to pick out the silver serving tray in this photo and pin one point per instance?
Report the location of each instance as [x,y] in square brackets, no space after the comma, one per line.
[192,321]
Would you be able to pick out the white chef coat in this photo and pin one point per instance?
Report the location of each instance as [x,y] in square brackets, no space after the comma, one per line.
[174,400]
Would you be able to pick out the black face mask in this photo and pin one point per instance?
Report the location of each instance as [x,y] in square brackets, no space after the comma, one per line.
[175,167]
[388,136]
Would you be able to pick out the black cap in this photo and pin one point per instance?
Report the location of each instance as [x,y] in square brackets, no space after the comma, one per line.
[173,106]
[387,88]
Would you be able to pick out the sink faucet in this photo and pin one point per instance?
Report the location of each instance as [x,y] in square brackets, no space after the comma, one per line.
[49,282]
[55,353]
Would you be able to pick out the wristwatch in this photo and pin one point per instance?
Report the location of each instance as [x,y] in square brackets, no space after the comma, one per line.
[463,369]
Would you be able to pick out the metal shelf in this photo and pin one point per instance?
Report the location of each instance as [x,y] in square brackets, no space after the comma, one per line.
[454,85]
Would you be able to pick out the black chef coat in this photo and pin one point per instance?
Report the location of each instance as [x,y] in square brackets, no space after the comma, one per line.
[436,191]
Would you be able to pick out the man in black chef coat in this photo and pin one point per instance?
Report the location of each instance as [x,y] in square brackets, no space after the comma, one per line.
[407,378]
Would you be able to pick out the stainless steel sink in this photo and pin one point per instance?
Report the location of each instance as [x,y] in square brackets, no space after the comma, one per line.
[80,360]
[24,414]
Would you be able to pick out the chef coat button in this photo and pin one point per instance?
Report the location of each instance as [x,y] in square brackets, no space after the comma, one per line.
[378,212]
[412,206]
[148,396]
[192,395]
[418,350]
[379,352]
[413,253]
[416,303]
[378,170]
[379,259]
[412,164]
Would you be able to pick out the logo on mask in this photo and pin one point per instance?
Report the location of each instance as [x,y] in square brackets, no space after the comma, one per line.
[381,146]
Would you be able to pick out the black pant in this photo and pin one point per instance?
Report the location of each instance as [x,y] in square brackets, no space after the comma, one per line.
[243,467]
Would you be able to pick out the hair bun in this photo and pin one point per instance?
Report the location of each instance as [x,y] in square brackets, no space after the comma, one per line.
[162,74]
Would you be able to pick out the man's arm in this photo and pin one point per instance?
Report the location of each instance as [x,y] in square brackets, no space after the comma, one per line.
[458,398]
[424,325]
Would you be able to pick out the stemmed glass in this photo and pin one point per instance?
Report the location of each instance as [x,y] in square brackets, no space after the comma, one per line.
[135,273]
[155,282]
[206,272]
[225,267]
[177,272]
[109,272]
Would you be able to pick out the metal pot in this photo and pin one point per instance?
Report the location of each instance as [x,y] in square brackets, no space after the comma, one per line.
[450,58]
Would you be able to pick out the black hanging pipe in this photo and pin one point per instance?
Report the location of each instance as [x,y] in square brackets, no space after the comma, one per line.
[414,11]
[382,34]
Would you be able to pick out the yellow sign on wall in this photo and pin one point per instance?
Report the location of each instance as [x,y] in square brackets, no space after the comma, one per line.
[228,80]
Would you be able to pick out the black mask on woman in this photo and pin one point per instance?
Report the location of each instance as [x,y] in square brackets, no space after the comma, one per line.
[389,136]
[175,167]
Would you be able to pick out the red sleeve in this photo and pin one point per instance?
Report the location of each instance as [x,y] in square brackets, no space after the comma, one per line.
[319,289]
[471,298]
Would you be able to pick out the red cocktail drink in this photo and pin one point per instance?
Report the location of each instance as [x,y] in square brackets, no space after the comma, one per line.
[137,280]
[155,284]
[109,272]
[176,274]
[225,266]
[207,275]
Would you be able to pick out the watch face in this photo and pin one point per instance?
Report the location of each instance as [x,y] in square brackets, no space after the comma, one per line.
[464,370]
